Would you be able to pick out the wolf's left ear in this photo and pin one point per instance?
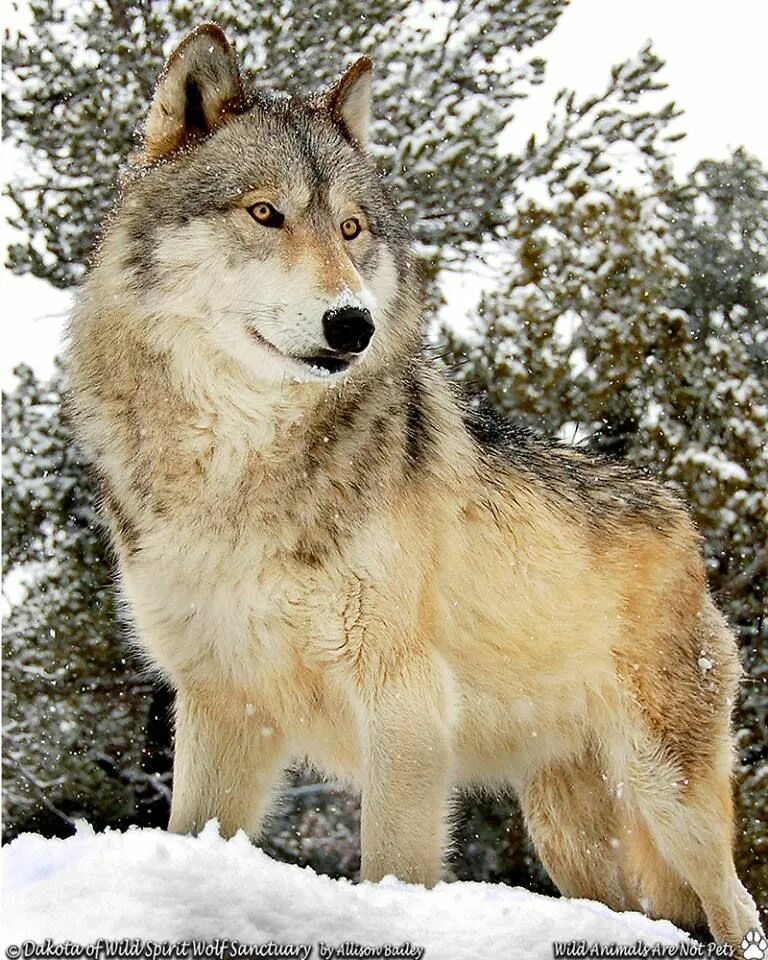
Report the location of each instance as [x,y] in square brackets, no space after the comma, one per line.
[198,90]
[349,101]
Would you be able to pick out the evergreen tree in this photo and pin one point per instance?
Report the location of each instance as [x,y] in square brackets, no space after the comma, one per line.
[720,226]
[448,76]
[74,707]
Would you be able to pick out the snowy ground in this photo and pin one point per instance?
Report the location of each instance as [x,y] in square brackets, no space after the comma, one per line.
[157,887]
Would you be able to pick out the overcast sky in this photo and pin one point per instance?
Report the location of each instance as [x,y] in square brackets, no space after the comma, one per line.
[717,71]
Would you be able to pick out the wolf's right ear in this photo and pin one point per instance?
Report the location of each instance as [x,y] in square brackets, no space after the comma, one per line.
[198,90]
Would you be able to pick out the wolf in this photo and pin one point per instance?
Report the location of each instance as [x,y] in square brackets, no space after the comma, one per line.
[333,555]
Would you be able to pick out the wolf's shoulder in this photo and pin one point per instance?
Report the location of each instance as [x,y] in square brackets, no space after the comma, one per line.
[602,486]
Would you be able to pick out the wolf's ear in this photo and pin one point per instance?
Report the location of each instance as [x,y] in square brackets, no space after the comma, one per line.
[198,90]
[349,101]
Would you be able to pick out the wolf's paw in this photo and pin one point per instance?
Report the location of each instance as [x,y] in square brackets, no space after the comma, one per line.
[754,946]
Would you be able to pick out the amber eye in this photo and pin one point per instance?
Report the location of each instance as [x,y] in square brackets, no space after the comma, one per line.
[350,228]
[265,214]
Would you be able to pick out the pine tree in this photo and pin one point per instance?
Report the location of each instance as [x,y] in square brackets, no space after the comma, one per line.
[447,81]
[720,226]
[73,703]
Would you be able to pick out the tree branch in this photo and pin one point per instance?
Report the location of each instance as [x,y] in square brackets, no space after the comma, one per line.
[39,792]
[738,585]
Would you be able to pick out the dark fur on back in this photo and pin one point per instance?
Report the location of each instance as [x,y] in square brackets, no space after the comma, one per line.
[604,488]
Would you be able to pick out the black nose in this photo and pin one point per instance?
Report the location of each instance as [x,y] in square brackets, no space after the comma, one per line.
[348,329]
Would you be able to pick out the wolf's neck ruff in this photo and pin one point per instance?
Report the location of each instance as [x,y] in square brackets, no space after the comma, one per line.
[350,564]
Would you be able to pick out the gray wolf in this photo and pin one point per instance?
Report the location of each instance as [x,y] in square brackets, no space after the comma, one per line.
[331,555]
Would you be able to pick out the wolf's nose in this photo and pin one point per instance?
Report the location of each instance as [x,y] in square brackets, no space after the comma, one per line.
[348,329]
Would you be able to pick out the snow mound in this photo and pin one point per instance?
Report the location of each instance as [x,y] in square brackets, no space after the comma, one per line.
[158,887]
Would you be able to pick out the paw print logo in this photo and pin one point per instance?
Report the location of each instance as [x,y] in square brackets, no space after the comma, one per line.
[754,946]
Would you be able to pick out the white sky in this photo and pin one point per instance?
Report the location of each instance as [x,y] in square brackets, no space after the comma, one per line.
[717,71]
[716,65]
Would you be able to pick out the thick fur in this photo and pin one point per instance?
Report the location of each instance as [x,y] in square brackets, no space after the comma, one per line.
[362,569]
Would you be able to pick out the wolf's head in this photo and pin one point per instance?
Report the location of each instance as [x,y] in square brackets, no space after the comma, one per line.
[256,223]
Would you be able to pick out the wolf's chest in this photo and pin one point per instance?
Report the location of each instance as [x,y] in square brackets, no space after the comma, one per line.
[260,508]
[243,605]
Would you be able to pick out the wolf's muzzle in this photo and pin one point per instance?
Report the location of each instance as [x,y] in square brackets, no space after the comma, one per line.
[348,329]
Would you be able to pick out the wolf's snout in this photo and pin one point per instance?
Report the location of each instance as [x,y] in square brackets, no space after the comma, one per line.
[348,329]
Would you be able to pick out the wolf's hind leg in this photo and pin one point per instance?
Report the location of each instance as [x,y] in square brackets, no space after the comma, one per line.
[576,827]
[692,829]
[227,758]
[678,768]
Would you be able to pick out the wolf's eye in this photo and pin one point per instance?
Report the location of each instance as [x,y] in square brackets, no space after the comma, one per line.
[350,228]
[265,214]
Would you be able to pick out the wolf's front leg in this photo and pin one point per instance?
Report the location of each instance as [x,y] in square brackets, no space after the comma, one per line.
[227,756]
[405,788]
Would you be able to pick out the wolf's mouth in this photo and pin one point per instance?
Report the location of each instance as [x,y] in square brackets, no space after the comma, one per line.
[324,364]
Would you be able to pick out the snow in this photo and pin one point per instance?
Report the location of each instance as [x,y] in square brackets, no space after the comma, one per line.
[156,886]
[714,462]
